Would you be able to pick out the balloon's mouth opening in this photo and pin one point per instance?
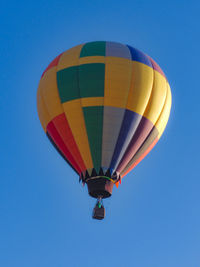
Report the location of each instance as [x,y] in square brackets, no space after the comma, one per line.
[98,193]
[100,187]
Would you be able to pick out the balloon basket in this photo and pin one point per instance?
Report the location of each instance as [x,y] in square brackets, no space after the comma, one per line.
[99,210]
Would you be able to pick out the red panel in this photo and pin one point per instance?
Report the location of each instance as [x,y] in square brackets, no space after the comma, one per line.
[157,67]
[52,131]
[52,64]
[142,156]
[63,129]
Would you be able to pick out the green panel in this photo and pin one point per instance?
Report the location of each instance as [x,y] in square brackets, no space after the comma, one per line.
[91,79]
[67,81]
[93,49]
[94,125]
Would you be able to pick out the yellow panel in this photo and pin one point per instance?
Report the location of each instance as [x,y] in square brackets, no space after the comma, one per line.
[42,110]
[157,98]
[74,114]
[70,58]
[164,116]
[117,81]
[141,86]
[92,101]
[88,60]
[49,91]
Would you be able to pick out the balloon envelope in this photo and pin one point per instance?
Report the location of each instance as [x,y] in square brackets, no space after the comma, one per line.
[104,105]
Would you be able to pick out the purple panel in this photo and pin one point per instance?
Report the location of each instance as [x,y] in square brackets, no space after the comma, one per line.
[112,121]
[129,125]
[117,50]
[138,139]
[147,143]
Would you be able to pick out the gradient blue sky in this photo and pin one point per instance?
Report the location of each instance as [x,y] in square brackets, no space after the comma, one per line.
[153,219]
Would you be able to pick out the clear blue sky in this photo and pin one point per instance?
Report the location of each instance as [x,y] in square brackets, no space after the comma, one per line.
[153,219]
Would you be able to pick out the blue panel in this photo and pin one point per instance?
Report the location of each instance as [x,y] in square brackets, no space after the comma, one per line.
[137,55]
[129,125]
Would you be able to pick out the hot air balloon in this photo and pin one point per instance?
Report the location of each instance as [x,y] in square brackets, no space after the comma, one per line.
[104,106]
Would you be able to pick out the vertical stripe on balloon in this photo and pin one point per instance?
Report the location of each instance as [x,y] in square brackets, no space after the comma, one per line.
[75,117]
[70,96]
[94,121]
[63,129]
[141,157]
[53,133]
[141,151]
[129,126]
[117,82]
[138,97]
[164,116]
[139,137]
[111,127]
